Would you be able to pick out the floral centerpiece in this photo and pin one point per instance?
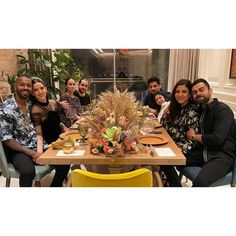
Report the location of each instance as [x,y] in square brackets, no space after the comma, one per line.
[115,120]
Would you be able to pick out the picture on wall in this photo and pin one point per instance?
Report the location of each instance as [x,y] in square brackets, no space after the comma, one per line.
[233,64]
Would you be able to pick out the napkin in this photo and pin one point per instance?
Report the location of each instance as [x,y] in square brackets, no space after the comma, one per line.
[164,152]
[60,153]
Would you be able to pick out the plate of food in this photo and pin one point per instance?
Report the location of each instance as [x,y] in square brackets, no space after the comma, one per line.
[153,139]
[75,135]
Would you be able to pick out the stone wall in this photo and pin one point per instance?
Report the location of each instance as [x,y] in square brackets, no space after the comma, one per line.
[9,65]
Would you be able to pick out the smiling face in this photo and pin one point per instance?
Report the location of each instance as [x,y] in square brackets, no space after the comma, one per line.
[23,87]
[40,92]
[201,93]
[83,86]
[182,95]
[159,98]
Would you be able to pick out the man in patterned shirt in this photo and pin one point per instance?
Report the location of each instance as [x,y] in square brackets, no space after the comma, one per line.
[19,136]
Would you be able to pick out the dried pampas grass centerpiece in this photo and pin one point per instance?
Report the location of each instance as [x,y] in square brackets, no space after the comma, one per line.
[115,122]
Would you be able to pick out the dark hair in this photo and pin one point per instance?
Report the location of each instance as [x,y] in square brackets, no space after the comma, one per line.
[37,80]
[200,80]
[81,80]
[153,79]
[22,75]
[66,81]
[175,107]
[162,94]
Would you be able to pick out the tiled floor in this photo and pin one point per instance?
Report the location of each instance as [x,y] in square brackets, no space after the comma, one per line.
[45,182]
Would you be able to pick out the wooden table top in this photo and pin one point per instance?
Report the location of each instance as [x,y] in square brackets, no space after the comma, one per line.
[49,157]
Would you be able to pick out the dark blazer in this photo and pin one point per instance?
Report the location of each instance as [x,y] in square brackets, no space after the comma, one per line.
[216,123]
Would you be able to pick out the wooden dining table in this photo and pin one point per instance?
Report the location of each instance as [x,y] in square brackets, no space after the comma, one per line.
[148,157]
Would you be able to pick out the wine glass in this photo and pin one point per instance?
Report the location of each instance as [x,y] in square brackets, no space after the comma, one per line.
[71,114]
[148,126]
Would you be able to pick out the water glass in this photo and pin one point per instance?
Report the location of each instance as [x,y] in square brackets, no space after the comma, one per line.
[71,114]
[148,126]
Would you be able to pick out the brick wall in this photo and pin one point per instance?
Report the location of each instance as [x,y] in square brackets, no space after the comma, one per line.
[8,64]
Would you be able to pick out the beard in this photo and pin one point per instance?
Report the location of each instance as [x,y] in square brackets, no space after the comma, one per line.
[82,91]
[23,93]
[202,100]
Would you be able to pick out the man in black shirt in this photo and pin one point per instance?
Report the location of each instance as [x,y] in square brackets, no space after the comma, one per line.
[81,93]
[216,151]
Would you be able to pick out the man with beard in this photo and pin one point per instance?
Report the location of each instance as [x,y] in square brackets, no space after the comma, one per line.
[81,93]
[19,136]
[216,150]
[149,98]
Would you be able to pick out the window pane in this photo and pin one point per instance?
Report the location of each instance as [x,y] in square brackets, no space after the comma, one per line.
[125,68]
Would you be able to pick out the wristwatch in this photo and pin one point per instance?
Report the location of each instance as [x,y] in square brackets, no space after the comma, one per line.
[193,137]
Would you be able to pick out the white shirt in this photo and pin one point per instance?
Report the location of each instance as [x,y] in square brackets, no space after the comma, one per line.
[163,106]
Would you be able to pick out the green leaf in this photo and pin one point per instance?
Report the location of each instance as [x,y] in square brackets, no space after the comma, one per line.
[48,64]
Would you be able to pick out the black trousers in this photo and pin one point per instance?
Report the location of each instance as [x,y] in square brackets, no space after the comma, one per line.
[26,167]
[211,171]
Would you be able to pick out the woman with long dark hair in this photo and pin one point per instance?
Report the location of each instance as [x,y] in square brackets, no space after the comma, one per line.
[46,119]
[181,115]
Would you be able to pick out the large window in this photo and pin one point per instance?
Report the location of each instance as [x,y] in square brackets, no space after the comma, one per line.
[124,68]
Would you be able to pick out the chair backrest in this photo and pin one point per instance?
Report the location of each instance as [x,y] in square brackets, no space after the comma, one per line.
[137,178]
[3,162]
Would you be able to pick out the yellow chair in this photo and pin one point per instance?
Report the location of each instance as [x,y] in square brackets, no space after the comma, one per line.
[137,178]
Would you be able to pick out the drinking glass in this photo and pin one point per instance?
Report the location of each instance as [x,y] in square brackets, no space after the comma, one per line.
[68,147]
[148,126]
[71,115]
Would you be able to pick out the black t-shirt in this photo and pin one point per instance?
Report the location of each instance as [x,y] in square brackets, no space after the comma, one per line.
[51,127]
[85,100]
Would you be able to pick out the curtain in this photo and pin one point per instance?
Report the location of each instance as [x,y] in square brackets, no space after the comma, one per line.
[183,64]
